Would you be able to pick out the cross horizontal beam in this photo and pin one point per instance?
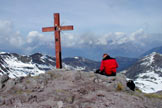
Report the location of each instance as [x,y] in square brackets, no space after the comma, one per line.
[50,29]
[70,27]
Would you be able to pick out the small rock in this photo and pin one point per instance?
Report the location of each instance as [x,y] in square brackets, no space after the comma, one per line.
[2,101]
[2,86]
[60,104]
[10,85]
[19,79]
[8,102]
[45,106]
[4,78]
[32,98]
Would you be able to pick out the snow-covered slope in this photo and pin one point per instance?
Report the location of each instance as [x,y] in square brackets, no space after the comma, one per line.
[16,65]
[147,73]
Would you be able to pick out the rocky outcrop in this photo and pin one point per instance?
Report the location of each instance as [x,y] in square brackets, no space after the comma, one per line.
[3,79]
[72,89]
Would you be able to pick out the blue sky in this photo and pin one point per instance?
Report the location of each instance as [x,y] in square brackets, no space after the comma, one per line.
[21,22]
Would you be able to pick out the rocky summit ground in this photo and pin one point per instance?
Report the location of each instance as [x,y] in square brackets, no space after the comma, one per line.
[72,89]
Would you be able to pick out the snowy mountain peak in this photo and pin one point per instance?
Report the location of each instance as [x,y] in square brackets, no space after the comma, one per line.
[149,59]
[153,54]
[2,52]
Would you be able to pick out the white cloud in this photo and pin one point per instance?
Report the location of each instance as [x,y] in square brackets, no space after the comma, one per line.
[139,34]
[34,36]
[69,40]
[5,26]
[39,38]
[138,39]
[16,40]
[8,36]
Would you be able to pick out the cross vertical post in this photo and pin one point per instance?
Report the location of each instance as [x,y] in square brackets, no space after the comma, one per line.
[57,28]
[57,41]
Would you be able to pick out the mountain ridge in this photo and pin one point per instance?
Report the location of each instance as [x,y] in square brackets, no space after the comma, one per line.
[156,49]
[39,63]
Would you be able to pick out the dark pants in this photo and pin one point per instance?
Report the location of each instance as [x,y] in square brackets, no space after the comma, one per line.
[103,73]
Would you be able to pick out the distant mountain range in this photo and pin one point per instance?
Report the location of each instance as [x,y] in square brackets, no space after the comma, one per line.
[125,62]
[17,65]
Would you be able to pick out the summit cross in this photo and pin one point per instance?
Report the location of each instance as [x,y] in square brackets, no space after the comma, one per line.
[57,28]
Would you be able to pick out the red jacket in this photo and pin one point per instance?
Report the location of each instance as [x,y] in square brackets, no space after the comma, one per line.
[109,65]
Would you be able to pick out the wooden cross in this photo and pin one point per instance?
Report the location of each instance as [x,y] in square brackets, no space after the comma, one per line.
[57,28]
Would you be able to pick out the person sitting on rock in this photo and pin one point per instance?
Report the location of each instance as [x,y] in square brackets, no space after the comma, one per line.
[108,66]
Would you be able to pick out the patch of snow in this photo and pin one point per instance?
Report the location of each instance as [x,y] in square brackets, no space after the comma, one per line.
[158,69]
[13,62]
[128,79]
[76,57]
[2,52]
[73,68]
[1,74]
[18,68]
[60,104]
[44,57]
[149,82]
[148,60]
[45,66]
[80,68]
[124,71]
[67,66]
[51,60]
